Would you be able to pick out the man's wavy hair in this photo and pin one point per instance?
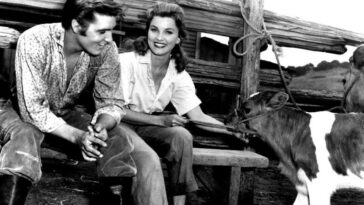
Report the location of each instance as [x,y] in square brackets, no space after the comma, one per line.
[83,11]
[175,12]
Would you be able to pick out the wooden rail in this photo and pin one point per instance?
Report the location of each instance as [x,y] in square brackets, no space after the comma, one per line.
[225,19]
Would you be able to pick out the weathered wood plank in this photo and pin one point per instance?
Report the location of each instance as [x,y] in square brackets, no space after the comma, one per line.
[44,4]
[318,94]
[250,71]
[287,31]
[219,157]
[234,185]
[8,37]
[313,100]
[229,76]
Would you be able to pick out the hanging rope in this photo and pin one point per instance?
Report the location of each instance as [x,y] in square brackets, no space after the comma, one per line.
[263,36]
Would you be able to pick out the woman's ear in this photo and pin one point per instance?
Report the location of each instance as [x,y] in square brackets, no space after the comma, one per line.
[178,40]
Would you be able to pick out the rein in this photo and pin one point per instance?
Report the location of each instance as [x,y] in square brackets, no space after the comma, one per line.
[227,127]
[234,128]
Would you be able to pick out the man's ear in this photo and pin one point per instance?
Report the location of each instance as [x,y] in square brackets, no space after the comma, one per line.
[278,100]
[75,26]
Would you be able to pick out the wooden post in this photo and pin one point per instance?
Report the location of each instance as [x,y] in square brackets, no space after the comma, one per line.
[234,185]
[253,10]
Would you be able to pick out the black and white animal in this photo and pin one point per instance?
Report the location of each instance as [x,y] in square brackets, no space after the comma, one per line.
[319,152]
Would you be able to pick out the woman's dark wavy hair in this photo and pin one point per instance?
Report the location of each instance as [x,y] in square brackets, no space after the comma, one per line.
[175,12]
[83,11]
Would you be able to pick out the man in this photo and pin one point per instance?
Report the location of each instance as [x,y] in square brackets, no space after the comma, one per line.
[54,65]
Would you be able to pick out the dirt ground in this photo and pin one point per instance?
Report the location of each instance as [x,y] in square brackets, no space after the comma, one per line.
[66,182]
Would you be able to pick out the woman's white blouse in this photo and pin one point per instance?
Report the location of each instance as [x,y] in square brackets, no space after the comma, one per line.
[139,90]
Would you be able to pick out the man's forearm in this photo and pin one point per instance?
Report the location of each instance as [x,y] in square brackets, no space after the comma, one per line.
[68,132]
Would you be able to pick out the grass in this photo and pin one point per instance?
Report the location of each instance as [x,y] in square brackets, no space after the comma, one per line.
[330,80]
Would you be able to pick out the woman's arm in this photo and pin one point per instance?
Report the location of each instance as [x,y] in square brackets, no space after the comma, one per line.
[198,115]
[158,120]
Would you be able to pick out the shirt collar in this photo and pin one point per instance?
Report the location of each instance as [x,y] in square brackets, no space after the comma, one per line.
[146,59]
[58,34]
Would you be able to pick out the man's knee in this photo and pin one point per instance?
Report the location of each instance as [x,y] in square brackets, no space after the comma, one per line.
[117,159]
[30,135]
[24,137]
[21,153]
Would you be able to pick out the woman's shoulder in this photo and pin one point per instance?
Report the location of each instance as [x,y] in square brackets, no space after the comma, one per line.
[128,56]
[183,78]
[184,74]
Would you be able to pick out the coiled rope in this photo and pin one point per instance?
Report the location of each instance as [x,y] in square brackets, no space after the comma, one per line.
[263,36]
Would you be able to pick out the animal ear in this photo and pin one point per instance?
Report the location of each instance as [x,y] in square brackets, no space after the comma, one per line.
[278,100]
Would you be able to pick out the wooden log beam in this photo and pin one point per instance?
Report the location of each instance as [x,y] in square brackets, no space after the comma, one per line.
[221,74]
[8,37]
[287,31]
[40,4]
[314,100]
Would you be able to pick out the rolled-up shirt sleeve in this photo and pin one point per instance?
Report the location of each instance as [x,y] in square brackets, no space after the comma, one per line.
[184,96]
[34,107]
[107,93]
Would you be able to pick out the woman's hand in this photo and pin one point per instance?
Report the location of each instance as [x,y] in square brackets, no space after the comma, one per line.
[173,120]
[99,131]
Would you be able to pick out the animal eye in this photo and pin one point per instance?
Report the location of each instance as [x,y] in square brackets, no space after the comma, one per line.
[247,110]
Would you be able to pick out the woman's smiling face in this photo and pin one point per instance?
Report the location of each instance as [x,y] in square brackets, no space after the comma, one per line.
[162,35]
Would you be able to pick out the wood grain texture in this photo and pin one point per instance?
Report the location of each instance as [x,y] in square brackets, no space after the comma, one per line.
[220,157]
[218,17]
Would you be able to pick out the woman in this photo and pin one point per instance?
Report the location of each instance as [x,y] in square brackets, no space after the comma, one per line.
[152,76]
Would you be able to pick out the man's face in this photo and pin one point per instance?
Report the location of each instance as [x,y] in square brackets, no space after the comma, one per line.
[97,35]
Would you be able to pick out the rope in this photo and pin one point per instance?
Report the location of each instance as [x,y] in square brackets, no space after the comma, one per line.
[227,127]
[259,35]
[262,35]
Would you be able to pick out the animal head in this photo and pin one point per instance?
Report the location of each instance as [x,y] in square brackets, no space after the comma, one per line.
[263,102]
[256,105]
